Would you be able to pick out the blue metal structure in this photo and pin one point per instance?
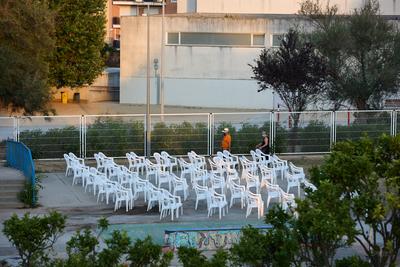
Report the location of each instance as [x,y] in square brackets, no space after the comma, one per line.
[19,156]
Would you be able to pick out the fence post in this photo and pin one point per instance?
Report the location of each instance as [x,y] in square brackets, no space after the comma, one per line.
[333,128]
[211,133]
[395,114]
[17,128]
[271,130]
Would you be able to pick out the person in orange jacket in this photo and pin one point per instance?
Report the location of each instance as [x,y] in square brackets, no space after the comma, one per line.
[226,140]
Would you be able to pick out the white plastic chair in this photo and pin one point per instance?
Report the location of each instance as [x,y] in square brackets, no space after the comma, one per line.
[237,192]
[154,196]
[198,161]
[273,191]
[78,172]
[217,182]
[68,161]
[180,184]
[164,177]
[309,185]
[287,200]
[279,165]
[254,201]
[267,175]
[136,163]
[186,168]
[123,195]
[201,193]
[108,188]
[151,169]
[200,176]
[170,161]
[247,167]
[216,201]
[170,204]
[292,181]
[233,159]
[252,181]
[80,160]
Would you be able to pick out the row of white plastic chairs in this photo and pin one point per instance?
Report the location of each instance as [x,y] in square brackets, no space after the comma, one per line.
[196,168]
[222,167]
[122,184]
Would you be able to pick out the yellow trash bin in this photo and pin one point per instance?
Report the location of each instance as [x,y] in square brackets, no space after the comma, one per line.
[64,97]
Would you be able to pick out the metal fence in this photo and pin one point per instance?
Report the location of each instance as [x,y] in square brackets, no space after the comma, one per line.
[114,135]
[19,157]
[49,137]
[8,131]
[179,133]
[245,129]
[303,132]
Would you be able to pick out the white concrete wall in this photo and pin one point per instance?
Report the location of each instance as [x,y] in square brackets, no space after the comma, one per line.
[194,75]
[388,7]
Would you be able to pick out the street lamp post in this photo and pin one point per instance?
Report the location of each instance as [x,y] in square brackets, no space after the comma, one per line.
[148,121]
[162,62]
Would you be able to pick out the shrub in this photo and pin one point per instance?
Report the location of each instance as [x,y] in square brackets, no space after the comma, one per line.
[33,236]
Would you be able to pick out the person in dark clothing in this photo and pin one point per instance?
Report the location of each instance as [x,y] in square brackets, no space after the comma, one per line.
[264,145]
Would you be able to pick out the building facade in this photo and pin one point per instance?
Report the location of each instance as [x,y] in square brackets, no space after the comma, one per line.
[207,55]
[118,8]
[387,7]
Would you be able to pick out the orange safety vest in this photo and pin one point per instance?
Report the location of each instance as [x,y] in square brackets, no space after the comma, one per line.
[226,142]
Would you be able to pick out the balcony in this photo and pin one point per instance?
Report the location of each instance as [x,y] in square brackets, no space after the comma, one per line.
[138,2]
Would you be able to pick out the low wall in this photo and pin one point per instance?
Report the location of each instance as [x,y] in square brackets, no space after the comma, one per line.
[205,238]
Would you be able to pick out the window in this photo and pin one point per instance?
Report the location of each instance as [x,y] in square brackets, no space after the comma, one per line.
[173,38]
[276,39]
[205,38]
[258,39]
[215,39]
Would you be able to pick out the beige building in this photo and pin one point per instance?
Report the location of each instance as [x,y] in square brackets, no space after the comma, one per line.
[208,47]
[118,8]
[388,7]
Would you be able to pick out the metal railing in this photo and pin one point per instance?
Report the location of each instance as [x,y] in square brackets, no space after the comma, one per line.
[49,137]
[19,156]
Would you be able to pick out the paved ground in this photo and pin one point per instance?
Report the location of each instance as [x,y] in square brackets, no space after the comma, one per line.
[108,107]
[83,210]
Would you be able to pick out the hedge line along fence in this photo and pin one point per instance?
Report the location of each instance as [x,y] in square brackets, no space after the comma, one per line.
[51,137]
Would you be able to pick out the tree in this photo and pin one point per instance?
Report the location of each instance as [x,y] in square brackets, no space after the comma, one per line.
[26,29]
[295,70]
[363,51]
[79,35]
[366,174]
[191,257]
[277,246]
[34,235]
